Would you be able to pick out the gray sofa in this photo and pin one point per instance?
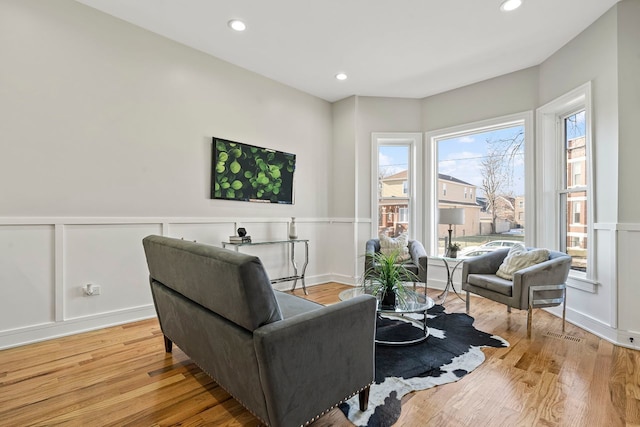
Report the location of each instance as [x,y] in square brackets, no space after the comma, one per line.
[286,359]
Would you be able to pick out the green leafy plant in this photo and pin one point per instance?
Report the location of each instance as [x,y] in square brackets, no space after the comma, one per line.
[387,275]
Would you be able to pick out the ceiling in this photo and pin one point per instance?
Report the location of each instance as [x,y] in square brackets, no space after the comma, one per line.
[399,48]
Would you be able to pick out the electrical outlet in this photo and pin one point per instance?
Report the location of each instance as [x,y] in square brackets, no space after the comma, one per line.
[91,289]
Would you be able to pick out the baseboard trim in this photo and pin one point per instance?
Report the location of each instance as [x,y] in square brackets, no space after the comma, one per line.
[47,331]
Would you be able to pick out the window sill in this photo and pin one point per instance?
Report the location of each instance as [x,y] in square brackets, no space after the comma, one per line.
[581,282]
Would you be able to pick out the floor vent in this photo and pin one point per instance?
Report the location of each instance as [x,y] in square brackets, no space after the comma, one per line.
[563,337]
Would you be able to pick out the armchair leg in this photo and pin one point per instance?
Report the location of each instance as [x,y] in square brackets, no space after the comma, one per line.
[467,302]
[508,309]
[363,398]
[529,315]
[168,344]
[564,308]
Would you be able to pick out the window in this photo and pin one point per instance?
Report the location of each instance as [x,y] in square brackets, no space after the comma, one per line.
[403,215]
[576,212]
[576,169]
[573,192]
[395,185]
[564,192]
[481,167]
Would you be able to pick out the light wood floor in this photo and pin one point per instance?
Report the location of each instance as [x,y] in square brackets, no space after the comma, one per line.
[121,376]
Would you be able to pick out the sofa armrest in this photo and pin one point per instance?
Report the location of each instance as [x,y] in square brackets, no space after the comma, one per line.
[552,272]
[311,362]
[488,263]
[419,258]
[372,246]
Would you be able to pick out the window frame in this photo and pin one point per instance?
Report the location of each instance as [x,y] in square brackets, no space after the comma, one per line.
[432,138]
[551,180]
[413,141]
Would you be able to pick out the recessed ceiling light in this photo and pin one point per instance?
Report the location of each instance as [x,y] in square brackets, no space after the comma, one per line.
[341,76]
[509,5]
[237,25]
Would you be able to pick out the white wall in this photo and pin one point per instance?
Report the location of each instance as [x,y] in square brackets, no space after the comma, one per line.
[592,56]
[501,96]
[629,108]
[105,135]
[101,118]
[629,173]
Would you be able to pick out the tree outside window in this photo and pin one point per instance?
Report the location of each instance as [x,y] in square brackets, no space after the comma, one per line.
[483,172]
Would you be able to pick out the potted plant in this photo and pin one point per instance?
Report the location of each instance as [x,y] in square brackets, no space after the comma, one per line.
[387,277]
[452,250]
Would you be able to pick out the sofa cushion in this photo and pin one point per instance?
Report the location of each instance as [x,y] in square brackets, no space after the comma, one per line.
[400,245]
[231,284]
[492,283]
[292,305]
[519,258]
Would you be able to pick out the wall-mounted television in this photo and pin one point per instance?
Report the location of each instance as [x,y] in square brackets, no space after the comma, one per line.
[249,173]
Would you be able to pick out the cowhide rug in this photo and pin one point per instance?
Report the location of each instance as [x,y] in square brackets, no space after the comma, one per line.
[452,350]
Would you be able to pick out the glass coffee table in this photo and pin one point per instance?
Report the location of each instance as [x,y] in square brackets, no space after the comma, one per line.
[411,303]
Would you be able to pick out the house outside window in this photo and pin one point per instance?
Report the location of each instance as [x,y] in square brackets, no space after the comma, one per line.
[573,193]
[395,187]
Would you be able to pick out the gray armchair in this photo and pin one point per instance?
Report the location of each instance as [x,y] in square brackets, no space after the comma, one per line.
[417,264]
[541,285]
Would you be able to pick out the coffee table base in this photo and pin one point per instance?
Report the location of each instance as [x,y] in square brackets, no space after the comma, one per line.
[421,325]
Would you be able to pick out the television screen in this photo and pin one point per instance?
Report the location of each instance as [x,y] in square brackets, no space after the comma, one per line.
[249,173]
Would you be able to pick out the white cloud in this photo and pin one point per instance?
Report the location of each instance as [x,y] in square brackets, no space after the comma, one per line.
[388,165]
[466,139]
[462,165]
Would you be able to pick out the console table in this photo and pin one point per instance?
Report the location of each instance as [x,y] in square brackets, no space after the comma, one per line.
[291,242]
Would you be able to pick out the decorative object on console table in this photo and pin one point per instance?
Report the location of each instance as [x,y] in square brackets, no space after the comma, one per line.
[242,232]
[293,232]
[452,250]
[240,239]
[450,216]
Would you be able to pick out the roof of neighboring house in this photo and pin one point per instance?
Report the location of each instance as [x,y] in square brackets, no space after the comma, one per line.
[403,175]
[454,179]
[399,175]
[458,202]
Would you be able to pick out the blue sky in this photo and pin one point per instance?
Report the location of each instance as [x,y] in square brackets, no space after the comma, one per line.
[459,157]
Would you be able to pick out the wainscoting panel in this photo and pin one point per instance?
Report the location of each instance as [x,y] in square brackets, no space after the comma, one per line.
[44,262]
[339,248]
[27,276]
[629,282]
[108,255]
[211,233]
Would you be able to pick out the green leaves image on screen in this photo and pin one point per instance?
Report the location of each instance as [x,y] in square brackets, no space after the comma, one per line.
[245,172]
